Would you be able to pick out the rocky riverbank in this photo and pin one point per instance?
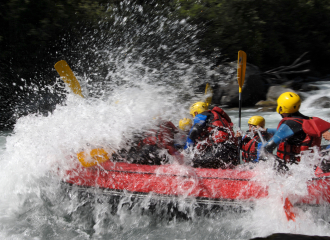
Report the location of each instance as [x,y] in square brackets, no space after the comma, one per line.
[260,89]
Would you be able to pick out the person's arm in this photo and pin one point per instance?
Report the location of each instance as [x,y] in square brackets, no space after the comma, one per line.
[258,152]
[271,131]
[326,135]
[189,143]
[198,125]
[280,135]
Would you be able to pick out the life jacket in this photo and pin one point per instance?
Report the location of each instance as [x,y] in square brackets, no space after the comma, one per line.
[300,141]
[219,129]
[162,137]
[250,146]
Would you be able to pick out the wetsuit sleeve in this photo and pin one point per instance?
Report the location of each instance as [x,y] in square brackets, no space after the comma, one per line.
[280,135]
[198,125]
[189,143]
[271,131]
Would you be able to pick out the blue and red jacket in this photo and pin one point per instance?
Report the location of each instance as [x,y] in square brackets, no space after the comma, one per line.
[292,139]
[210,128]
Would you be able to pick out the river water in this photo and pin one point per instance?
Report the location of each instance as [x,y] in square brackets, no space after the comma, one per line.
[138,86]
[33,206]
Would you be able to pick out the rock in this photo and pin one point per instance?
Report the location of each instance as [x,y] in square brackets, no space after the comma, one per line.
[308,87]
[275,91]
[267,109]
[267,103]
[217,94]
[289,84]
[322,102]
[267,106]
[294,84]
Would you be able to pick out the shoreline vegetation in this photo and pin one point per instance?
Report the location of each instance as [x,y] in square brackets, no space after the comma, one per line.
[36,34]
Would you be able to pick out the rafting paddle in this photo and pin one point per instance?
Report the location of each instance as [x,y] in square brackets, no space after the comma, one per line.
[208,91]
[95,156]
[68,77]
[241,66]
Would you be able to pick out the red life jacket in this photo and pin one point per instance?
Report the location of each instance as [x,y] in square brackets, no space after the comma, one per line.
[162,137]
[289,152]
[250,147]
[218,130]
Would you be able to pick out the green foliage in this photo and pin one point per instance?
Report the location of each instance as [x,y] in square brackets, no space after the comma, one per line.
[272,32]
[37,22]
[30,30]
[36,34]
[31,34]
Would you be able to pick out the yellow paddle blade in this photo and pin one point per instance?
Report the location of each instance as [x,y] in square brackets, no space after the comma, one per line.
[68,77]
[97,155]
[241,67]
[208,91]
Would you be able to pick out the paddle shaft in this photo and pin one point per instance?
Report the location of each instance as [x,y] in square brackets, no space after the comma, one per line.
[239,124]
[241,67]
[239,109]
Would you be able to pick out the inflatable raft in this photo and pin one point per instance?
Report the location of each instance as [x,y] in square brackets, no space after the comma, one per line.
[202,185]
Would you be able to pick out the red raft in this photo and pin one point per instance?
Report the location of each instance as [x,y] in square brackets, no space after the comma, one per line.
[208,186]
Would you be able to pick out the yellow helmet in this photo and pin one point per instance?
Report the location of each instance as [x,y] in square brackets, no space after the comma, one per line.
[185,124]
[257,121]
[288,102]
[198,107]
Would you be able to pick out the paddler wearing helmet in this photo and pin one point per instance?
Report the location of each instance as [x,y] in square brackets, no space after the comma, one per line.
[185,124]
[151,146]
[211,138]
[180,138]
[251,143]
[325,161]
[290,137]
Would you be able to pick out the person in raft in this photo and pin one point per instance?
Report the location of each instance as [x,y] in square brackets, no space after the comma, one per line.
[290,137]
[180,138]
[211,138]
[185,124]
[251,143]
[152,146]
[325,154]
[326,136]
